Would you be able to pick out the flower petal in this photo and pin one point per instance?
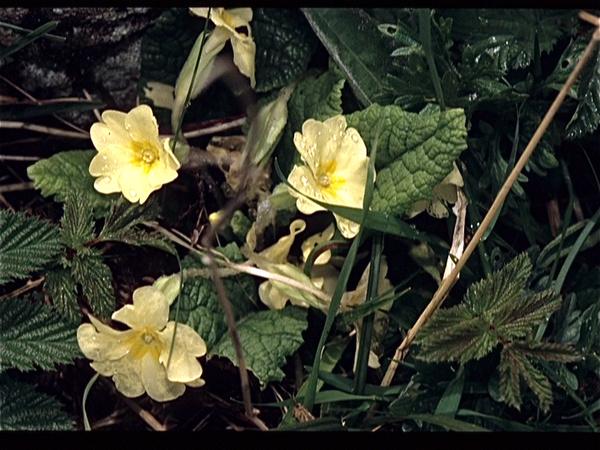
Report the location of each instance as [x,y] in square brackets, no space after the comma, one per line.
[244,53]
[302,179]
[142,126]
[110,160]
[150,309]
[126,375]
[270,296]
[97,343]
[348,228]
[134,184]
[161,174]
[183,367]
[154,378]
[104,135]
[317,239]
[279,251]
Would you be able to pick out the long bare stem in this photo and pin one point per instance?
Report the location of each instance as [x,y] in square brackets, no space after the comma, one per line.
[447,284]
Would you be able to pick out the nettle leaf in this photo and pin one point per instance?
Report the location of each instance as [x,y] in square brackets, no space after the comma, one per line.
[316,97]
[570,57]
[510,35]
[68,171]
[284,45]
[26,244]
[95,278]
[415,152]
[504,287]
[267,338]
[77,223]
[361,51]
[62,288]
[587,115]
[548,351]
[34,335]
[199,305]
[514,364]
[23,408]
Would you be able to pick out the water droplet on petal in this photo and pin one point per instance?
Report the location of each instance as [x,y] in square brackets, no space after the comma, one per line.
[304,180]
[132,192]
[104,157]
[107,180]
[355,138]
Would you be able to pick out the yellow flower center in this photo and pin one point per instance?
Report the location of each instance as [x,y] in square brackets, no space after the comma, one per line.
[145,155]
[145,341]
[324,180]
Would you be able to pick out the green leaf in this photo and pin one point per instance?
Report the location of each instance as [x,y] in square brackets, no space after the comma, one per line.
[344,33]
[416,152]
[267,338]
[548,254]
[447,422]
[26,244]
[77,223]
[62,288]
[316,97]
[95,278]
[587,115]
[548,351]
[23,408]
[510,35]
[513,364]
[68,171]
[166,46]
[284,45]
[450,401]
[199,305]
[34,335]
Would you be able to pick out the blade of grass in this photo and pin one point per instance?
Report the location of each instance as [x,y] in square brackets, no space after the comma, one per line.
[28,39]
[505,424]
[448,404]
[446,422]
[86,422]
[425,37]
[344,275]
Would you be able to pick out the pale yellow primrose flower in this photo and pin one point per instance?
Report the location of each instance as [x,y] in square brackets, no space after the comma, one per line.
[227,23]
[131,158]
[335,171]
[446,191]
[137,359]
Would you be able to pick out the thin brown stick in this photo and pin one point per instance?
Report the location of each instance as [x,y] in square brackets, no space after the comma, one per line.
[18,158]
[28,287]
[447,284]
[218,128]
[145,415]
[25,186]
[42,129]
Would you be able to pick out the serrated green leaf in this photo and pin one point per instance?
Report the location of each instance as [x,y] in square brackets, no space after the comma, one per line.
[547,351]
[62,288]
[267,338]
[199,305]
[415,153]
[315,97]
[344,33]
[510,35]
[34,335]
[510,384]
[284,45]
[587,115]
[503,288]
[77,223]
[68,171]
[569,58]
[95,278]
[22,408]
[26,244]
[516,320]
[124,215]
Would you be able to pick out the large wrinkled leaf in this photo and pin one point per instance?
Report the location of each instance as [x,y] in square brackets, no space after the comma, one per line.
[316,97]
[67,171]
[415,153]
[199,305]
[23,408]
[267,338]
[26,244]
[34,335]
[357,46]
[284,45]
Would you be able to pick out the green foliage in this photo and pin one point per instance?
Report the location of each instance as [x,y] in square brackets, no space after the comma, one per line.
[316,97]
[587,115]
[498,310]
[26,244]
[284,46]
[95,278]
[267,338]
[416,152]
[77,223]
[62,288]
[34,335]
[22,408]
[68,171]
[198,305]
[364,66]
